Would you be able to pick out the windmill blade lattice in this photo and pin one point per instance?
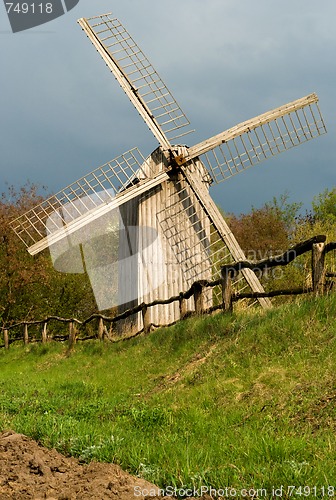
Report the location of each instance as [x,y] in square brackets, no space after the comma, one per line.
[260,138]
[138,78]
[194,240]
[114,183]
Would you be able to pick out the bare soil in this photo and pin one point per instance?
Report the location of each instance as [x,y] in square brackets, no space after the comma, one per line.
[30,471]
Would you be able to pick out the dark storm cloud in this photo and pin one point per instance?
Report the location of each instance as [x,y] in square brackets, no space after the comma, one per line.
[225,61]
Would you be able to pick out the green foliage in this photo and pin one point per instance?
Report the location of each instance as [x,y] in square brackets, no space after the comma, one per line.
[284,210]
[30,287]
[324,206]
[267,230]
[322,221]
[278,225]
[260,233]
[246,400]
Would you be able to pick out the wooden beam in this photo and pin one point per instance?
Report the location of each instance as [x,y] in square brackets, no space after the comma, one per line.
[223,229]
[72,334]
[25,334]
[198,298]
[227,293]
[126,85]
[318,273]
[6,339]
[145,318]
[182,306]
[253,123]
[96,213]
[278,260]
[274,293]
[101,329]
[44,333]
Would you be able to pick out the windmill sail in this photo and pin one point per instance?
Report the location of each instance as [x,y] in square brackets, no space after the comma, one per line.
[91,197]
[260,138]
[199,238]
[137,77]
[220,232]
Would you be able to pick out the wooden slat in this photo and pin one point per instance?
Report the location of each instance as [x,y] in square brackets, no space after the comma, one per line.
[6,339]
[45,333]
[225,232]
[25,334]
[126,85]
[241,128]
[101,329]
[94,214]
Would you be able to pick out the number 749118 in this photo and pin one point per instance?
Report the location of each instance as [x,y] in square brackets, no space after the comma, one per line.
[29,8]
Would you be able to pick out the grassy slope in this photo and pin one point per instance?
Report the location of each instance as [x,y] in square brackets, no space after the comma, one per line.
[241,401]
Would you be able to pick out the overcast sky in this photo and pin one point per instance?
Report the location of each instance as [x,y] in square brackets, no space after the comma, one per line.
[63,114]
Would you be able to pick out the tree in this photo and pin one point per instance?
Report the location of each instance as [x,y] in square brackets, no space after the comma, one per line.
[285,211]
[30,288]
[324,206]
[267,230]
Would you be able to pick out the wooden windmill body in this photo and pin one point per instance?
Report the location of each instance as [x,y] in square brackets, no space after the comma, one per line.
[182,254]
[167,192]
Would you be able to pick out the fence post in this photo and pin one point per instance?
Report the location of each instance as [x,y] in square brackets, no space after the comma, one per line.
[72,334]
[226,291]
[105,333]
[182,306]
[145,318]
[25,335]
[101,329]
[6,341]
[198,298]
[110,331]
[318,267]
[44,333]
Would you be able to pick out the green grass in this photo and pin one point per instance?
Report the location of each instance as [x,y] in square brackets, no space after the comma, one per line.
[247,400]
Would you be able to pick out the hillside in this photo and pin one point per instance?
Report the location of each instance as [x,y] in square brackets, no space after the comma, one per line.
[242,401]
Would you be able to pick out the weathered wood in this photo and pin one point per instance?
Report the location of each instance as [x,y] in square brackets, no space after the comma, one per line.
[106,334]
[72,334]
[44,333]
[145,318]
[198,298]
[247,126]
[277,260]
[6,339]
[182,306]
[111,331]
[318,267]
[274,293]
[123,315]
[330,246]
[127,85]
[100,211]
[49,318]
[101,329]
[227,293]
[225,232]
[25,334]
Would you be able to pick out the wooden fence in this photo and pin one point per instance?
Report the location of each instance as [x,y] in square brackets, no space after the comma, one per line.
[317,245]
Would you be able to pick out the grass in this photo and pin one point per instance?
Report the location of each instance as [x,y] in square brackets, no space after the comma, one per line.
[241,401]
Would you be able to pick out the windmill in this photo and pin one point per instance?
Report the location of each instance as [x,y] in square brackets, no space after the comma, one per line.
[170,231]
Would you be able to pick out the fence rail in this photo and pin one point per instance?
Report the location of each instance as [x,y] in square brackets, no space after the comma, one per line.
[317,245]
